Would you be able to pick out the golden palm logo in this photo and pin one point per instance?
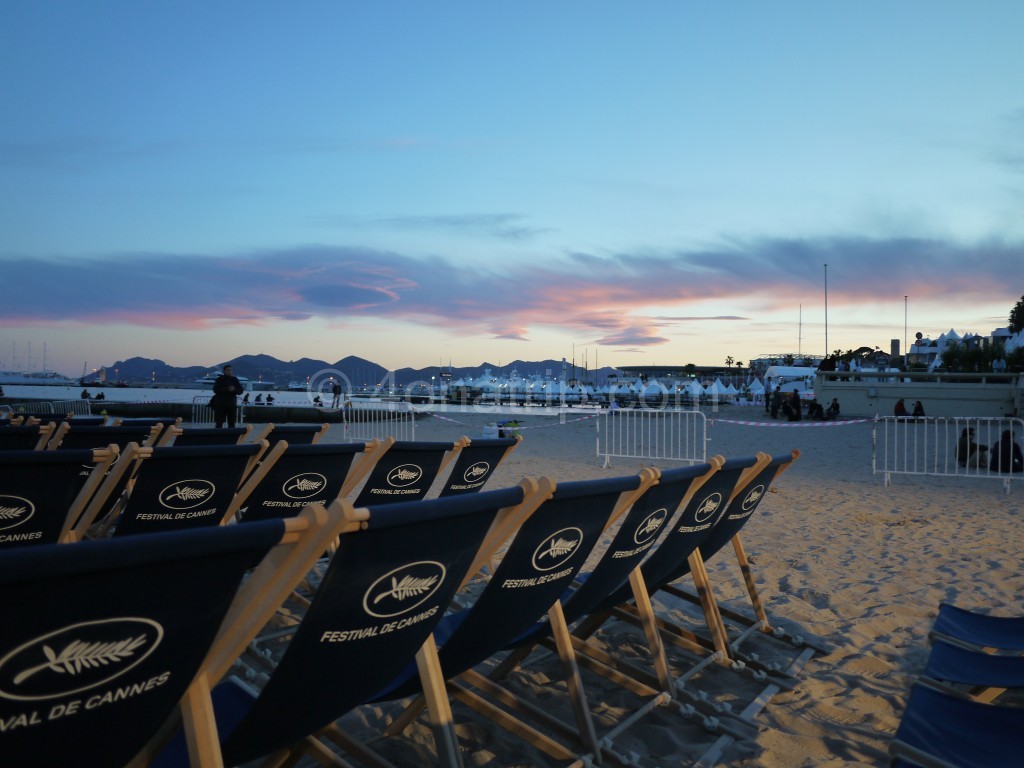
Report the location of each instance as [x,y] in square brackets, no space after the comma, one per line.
[14,510]
[404,475]
[650,526]
[186,494]
[78,656]
[304,485]
[557,548]
[476,471]
[708,507]
[403,589]
[752,498]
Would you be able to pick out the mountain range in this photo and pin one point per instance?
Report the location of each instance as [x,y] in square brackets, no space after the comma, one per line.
[360,372]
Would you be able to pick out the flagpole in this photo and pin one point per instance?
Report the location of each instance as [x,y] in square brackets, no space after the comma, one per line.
[826,311]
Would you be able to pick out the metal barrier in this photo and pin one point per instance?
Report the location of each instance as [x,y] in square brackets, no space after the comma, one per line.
[80,407]
[202,413]
[929,446]
[378,420]
[640,433]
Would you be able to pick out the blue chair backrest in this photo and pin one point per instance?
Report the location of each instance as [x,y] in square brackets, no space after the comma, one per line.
[404,473]
[304,474]
[18,438]
[184,488]
[102,638]
[37,489]
[475,464]
[383,593]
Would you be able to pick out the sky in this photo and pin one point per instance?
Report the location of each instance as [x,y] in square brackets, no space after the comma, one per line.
[652,183]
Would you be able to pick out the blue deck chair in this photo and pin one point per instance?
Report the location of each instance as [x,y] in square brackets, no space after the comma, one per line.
[943,729]
[103,639]
[979,630]
[174,488]
[199,436]
[477,461]
[741,507]
[22,437]
[310,474]
[78,436]
[296,434]
[405,472]
[643,529]
[42,493]
[544,556]
[387,585]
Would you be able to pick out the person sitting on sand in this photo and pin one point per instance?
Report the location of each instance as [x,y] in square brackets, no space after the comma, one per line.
[259,400]
[969,453]
[1006,455]
[900,411]
[270,399]
[833,410]
[918,410]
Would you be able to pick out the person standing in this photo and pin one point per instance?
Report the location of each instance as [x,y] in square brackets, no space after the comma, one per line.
[335,394]
[226,389]
[767,395]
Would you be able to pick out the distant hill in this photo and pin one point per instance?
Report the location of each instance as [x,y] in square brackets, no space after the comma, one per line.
[360,372]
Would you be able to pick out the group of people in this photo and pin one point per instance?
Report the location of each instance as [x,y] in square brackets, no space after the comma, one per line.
[1006,455]
[791,408]
[900,410]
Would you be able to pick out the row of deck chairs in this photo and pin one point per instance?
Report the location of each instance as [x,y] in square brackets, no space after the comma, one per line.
[135,659]
[966,710]
[131,486]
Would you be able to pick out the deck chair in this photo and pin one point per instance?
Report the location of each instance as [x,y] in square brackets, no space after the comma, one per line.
[405,471]
[477,461]
[978,630]
[22,437]
[199,436]
[144,421]
[544,556]
[944,729]
[746,499]
[77,436]
[296,434]
[174,488]
[616,576]
[308,474]
[981,676]
[386,587]
[103,639]
[42,493]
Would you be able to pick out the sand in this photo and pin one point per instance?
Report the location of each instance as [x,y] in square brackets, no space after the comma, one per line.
[836,554]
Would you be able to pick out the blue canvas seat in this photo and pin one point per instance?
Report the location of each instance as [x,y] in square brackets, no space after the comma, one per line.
[296,434]
[78,436]
[25,437]
[43,493]
[173,488]
[476,462]
[307,474]
[979,630]
[943,729]
[405,472]
[388,583]
[102,639]
[192,437]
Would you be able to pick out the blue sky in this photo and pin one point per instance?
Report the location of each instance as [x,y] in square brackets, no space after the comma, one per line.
[657,182]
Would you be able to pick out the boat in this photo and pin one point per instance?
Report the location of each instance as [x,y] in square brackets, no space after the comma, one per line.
[37,378]
[297,386]
[208,380]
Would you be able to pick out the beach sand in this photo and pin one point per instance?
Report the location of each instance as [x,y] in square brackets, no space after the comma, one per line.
[836,554]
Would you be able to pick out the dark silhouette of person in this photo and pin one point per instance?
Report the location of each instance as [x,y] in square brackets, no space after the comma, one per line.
[226,389]
[900,411]
[833,410]
[918,410]
[767,395]
[335,394]
[795,405]
[776,403]
[270,399]
[1006,455]
[968,452]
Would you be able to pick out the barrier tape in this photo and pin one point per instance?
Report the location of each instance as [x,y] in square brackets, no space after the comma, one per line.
[519,428]
[790,423]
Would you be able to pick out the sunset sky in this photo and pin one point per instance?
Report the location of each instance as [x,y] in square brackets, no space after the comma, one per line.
[415,183]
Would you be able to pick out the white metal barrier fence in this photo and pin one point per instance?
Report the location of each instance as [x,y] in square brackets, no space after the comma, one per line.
[377,420]
[943,446]
[202,413]
[58,408]
[641,433]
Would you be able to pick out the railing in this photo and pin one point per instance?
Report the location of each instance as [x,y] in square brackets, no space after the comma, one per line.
[202,413]
[377,420]
[60,407]
[929,446]
[638,433]
[80,407]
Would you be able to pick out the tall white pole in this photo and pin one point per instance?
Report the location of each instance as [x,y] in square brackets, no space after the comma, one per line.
[906,349]
[826,311]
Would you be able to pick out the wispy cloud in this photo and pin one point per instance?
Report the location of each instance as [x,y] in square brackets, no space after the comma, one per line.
[607,299]
[504,226]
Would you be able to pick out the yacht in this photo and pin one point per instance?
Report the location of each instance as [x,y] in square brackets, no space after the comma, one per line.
[208,379]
